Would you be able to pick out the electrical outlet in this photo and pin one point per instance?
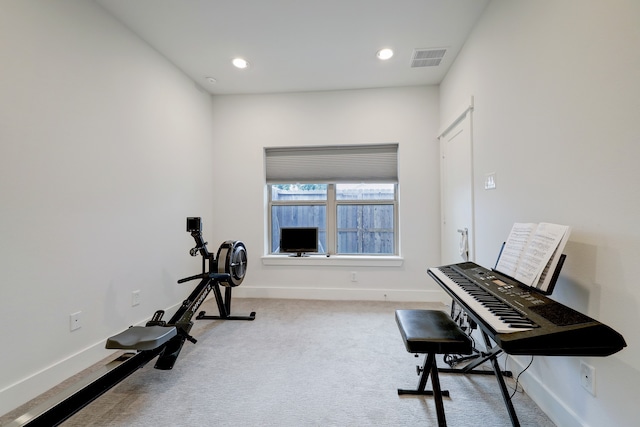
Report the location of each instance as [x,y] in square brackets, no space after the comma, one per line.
[588,377]
[74,321]
[354,276]
[135,298]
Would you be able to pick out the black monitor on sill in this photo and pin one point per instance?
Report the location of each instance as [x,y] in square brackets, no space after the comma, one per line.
[298,241]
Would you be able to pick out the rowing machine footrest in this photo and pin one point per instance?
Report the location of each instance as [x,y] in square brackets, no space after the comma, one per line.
[141,338]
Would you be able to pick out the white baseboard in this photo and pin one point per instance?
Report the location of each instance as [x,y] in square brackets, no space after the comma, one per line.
[39,382]
[551,404]
[342,294]
[20,392]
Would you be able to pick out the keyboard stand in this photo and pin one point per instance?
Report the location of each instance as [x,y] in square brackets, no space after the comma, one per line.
[491,355]
[503,387]
[493,352]
[478,360]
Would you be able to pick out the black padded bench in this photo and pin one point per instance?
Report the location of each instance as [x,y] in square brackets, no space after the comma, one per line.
[431,332]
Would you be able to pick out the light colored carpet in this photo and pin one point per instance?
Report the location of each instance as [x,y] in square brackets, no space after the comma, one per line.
[299,363]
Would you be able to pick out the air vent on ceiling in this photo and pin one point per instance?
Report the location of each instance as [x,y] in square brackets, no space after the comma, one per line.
[427,57]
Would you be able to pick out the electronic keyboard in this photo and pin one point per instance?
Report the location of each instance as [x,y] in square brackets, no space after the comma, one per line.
[521,320]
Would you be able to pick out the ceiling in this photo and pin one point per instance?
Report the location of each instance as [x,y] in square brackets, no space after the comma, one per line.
[300,45]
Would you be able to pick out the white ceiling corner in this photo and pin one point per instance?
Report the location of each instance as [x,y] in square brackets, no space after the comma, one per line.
[301,46]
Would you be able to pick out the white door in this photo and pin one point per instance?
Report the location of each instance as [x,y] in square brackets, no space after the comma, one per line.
[457,238]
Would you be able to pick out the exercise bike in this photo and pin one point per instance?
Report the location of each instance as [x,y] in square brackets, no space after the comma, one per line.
[158,338]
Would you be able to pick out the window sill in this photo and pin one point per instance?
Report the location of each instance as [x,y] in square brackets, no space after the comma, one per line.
[334,260]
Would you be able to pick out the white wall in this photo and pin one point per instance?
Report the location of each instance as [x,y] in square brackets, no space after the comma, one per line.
[245,124]
[104,151]
[556,114]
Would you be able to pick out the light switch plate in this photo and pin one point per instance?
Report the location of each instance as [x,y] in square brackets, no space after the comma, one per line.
[490,181]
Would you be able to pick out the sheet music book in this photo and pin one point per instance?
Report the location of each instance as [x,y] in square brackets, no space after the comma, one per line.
[532,251]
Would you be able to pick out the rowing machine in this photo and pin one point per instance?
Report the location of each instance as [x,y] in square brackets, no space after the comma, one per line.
[160,338]
[228,270]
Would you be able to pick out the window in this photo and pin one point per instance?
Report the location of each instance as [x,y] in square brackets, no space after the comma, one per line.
[365,218]
[351,218]
[294,205]
[349,193]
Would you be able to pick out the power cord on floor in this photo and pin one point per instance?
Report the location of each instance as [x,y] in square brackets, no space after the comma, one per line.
[515,390]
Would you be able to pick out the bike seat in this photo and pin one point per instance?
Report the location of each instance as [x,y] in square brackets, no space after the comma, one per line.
[141,338]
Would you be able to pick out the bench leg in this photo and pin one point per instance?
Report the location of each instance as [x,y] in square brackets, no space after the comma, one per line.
[430,368]
[426,371]
[437,394]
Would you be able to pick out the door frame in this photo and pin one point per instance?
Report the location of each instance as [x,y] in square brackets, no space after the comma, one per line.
[464,113]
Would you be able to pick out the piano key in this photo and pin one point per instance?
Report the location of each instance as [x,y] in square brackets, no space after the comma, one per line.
[553,328]
[465,293]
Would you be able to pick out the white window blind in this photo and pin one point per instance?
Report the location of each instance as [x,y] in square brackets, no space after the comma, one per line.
[330,164]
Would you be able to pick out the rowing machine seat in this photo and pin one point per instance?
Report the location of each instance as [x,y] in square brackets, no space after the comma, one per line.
[142,338]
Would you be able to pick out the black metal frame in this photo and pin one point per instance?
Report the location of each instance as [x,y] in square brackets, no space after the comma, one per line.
[68,402]
[210,281]
[492,351]
[430,367]
[491,354]
[65,404]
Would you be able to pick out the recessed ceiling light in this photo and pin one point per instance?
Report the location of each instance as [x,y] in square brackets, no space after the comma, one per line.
[385,53]
[240,63]
[211,80]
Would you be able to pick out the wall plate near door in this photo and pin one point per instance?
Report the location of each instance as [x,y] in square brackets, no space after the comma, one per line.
[490,181]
